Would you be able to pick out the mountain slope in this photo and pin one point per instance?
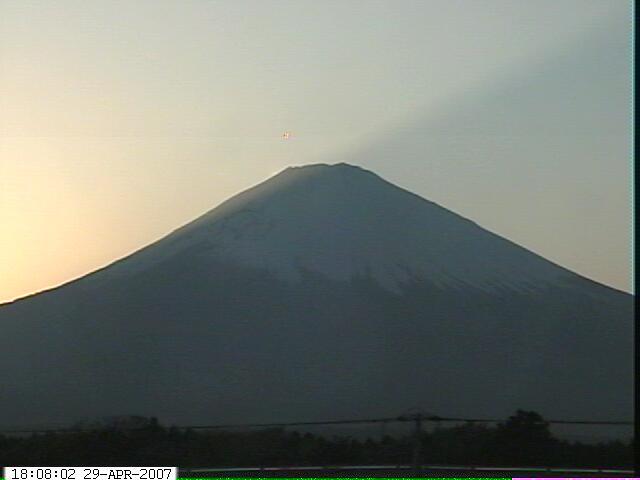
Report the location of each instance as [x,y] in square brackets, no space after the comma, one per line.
[324,292]
[343,221]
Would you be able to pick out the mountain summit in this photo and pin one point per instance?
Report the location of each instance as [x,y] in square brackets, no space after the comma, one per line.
[323,292]
[342,222]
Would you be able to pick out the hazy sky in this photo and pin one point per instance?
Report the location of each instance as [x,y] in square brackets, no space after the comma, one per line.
[120,121]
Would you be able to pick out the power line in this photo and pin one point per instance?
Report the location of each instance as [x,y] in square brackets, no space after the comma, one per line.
[402,418]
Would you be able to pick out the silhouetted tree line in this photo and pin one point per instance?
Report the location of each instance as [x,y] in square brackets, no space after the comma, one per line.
[523,440]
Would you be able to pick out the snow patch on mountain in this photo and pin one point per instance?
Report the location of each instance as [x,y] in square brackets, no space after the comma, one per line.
[342,222]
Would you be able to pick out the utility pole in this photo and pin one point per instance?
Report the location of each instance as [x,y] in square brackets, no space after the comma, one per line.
[416,458]
[417,445]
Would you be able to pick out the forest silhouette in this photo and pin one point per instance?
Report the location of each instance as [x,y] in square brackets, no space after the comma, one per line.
[522,440]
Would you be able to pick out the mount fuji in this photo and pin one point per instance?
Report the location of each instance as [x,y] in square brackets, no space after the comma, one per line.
[323,292]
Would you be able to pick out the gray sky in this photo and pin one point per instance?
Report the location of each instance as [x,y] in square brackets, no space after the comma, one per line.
[120,121]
